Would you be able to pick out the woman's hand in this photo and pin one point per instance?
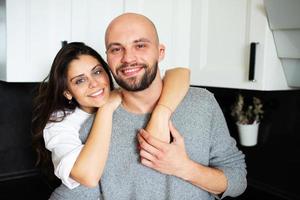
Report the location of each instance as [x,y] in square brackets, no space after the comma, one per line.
[114,100]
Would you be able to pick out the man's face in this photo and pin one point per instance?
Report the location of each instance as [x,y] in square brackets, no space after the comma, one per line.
[133,54]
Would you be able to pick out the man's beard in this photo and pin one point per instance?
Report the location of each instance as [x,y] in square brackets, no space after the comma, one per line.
[134,85]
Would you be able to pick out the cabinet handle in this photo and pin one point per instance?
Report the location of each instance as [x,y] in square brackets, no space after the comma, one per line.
[64,43]
[251,76]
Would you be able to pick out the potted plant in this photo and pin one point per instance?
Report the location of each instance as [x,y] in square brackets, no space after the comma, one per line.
[247,116]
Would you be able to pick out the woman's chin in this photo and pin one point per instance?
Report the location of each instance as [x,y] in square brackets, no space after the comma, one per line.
[99,105]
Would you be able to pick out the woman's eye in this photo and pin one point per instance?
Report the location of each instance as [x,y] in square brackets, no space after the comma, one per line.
[98,71]
[79,81]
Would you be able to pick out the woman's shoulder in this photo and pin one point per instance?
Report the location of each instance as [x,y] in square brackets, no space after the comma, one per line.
[76,116]
[60,115]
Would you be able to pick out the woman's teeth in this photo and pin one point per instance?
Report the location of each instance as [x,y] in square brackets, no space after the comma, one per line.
[97,93]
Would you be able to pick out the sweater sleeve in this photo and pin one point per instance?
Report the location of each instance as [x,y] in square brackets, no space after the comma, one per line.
[225,155]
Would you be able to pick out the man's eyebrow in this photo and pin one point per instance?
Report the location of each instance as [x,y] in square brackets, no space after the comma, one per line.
[113,44]
[135,41]
[142,40]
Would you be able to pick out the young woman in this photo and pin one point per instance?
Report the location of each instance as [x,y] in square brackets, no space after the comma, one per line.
[80,85]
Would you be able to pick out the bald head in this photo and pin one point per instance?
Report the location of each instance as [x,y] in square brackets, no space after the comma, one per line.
[129,23]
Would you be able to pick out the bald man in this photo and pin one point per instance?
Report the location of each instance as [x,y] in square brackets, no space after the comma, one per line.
[201,162]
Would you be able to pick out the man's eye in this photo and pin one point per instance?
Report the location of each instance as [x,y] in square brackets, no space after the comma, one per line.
[115,50]
[140,46]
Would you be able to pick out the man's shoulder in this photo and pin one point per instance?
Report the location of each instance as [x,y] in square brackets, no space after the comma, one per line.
[197,99]
[198,94]
[199,91]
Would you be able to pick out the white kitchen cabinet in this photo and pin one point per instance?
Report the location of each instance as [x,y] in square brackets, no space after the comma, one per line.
[221,33]
[212,37]
[90,19]
[33,30]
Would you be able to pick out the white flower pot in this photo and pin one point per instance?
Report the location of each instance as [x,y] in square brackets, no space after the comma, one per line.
[248,133]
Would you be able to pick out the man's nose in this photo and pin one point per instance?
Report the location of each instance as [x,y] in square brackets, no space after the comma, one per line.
[128,56]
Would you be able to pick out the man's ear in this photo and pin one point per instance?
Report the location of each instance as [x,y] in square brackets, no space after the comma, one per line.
[68,95]
[161,49]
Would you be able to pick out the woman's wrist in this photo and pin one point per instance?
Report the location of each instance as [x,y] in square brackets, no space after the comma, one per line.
[170,110]
[107,108]
[162,111]
[160,117]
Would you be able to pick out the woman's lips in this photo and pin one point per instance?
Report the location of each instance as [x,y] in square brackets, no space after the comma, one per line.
[95,94]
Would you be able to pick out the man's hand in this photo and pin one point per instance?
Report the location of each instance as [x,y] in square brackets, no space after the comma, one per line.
[166,158]
[172,159]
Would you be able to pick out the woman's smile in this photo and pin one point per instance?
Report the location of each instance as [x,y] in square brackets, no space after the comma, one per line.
[97,93]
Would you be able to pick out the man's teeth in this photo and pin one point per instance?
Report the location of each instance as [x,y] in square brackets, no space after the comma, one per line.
[130,70]
[97,93]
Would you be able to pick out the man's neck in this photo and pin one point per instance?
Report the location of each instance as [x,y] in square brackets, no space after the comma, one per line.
[143,101]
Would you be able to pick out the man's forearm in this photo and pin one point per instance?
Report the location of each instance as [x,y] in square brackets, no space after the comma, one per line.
[210,179]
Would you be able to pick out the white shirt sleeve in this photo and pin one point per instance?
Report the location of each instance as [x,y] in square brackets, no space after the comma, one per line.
[64,143]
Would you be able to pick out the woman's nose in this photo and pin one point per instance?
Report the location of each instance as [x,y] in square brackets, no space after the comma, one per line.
[93,82]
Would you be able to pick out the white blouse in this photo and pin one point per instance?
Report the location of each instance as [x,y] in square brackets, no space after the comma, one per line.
[62,139]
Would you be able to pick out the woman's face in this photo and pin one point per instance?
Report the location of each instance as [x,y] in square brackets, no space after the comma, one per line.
[88,83]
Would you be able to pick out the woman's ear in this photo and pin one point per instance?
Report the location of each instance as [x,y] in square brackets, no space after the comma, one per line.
[161,49]
[68,95]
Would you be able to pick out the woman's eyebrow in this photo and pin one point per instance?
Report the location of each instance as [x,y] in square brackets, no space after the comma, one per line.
[80,75]
[96,66]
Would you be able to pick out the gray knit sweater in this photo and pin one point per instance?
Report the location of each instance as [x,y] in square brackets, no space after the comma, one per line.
[200,121]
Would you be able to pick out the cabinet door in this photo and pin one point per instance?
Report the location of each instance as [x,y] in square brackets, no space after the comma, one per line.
[221,34]
[35,30]
[220,42]
[90,19]
[172,20]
